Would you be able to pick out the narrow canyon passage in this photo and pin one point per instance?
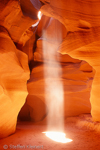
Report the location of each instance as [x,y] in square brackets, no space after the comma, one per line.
[49,74]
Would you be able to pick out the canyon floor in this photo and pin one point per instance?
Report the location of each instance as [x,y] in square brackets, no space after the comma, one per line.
[82,130]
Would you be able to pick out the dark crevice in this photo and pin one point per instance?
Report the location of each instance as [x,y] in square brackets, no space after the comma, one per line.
[32,63]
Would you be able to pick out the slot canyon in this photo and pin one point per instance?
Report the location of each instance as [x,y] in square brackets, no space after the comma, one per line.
[50,74]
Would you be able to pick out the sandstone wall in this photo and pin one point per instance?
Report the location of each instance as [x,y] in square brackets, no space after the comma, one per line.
[14,70]
[76,76]
[82,21]
[14,73]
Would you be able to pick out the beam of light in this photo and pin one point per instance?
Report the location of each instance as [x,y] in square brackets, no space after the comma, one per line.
[54,93]
[57,136]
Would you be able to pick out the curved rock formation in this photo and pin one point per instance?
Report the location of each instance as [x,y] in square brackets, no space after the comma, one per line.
[13,19]
[76,75]
[14,74]
[82,21]
[72,28]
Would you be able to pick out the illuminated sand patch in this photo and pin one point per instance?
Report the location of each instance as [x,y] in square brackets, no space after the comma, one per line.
[57,136]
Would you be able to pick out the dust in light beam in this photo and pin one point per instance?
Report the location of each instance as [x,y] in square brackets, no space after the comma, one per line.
[54,92]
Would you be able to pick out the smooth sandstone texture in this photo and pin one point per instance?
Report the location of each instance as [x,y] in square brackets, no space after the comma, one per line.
[82,21]
[16,20]
[14,73]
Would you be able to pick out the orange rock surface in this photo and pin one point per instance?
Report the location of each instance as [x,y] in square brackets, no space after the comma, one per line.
[72,28]
[76,75]
[15,20]
[14,73]
[82,21]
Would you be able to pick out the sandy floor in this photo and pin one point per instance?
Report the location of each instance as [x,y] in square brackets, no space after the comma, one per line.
[29,136]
